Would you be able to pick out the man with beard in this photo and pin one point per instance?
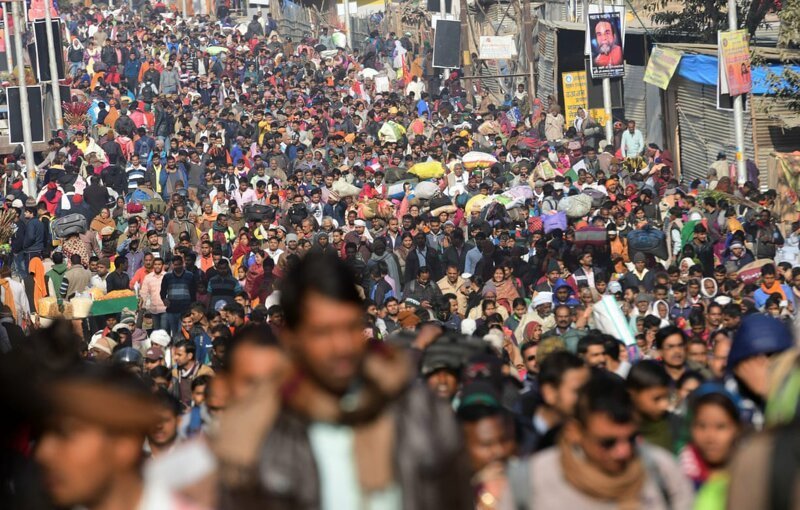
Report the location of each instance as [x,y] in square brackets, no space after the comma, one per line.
[343,395]
[609,51]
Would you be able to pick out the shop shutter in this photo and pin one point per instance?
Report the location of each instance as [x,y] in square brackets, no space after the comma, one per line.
[547,59]
[704,130]
[635,102]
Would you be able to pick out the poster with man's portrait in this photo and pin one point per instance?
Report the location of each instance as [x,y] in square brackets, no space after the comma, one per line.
[605,41]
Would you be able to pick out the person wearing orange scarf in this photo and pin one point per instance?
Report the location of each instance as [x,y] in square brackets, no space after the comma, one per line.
[36,269]
[771,285]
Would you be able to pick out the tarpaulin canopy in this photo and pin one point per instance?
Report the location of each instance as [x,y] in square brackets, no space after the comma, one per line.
[703,69]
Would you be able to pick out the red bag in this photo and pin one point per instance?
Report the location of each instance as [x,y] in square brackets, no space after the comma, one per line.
[535,224]
[135,208]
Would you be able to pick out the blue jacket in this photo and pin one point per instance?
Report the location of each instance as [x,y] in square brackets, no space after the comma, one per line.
[34,236]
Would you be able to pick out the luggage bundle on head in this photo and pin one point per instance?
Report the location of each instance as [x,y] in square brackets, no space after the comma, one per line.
[648,240]
[557,221]
[67,225]
[535,224]
[495,214]
[598,197]
[442,204]
[576,206]
[258,212]
[345,189]
[155,205]
[426,190]
[591,236]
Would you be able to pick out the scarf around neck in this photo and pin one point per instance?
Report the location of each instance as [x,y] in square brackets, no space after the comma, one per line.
[623,489]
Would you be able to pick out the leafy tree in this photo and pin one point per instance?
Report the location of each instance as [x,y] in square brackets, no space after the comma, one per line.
[699,20]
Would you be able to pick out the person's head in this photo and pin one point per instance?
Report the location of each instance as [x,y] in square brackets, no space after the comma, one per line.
[563,316]
[758,338]
[165,432]
[697,351]
[488,434]
[715,425]
[528,351]
[323,321]
[718,359]
[605,34]
[604,427]
[184,354]
[671,343]
[649,385]
[592,349]
[561,376]
[93,440]
[252,355]
[177,265]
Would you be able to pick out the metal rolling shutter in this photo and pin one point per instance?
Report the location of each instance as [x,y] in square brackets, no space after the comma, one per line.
[547,57]
[635,102]
[704,130]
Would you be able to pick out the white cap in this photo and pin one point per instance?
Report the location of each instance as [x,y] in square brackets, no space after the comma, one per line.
[17,204]
[614,287]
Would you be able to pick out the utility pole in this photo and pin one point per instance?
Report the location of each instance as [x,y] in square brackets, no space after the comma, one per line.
[25,110]
[466,54]
[185,9]
[738,114]
[51,48]
[347,29]
[527,24]
[606,91]
[7,40]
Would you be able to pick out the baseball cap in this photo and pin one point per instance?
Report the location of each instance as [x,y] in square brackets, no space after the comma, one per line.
[154,353]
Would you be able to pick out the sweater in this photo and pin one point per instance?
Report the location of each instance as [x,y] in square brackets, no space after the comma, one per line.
[178,292]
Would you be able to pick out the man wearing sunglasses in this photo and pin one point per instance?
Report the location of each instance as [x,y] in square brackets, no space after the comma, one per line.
[600,462]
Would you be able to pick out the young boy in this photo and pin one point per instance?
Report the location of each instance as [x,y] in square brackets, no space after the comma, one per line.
[649,386]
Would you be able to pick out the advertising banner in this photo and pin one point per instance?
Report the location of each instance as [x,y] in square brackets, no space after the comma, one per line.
[734,58]
[661,66]
[604,33]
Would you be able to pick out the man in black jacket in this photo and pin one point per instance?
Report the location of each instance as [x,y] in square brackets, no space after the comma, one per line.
[421,256]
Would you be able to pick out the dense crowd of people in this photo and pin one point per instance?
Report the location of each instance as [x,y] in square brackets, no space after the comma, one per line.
[360,285]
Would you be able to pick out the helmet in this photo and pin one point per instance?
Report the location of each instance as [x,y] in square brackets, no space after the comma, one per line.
[127,356]
[758,334]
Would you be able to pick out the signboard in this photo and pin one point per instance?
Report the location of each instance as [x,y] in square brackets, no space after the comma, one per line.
[595,9]
[576,96]
[661,66]
[15,120]
[734,61]
[604,36]
[447,44]
[42,53]
[500,47]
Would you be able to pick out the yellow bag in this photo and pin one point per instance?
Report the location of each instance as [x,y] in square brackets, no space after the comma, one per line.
[427,170]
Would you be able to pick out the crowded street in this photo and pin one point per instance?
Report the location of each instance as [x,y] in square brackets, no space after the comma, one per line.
[270,260]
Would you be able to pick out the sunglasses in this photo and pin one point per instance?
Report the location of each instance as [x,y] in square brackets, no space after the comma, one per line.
[608,443]
[530,358]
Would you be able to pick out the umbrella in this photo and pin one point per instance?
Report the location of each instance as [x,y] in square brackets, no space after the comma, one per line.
[476,159]
[320,48]
[216,50]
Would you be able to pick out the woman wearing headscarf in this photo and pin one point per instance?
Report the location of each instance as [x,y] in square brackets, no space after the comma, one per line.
[103,219]
[660,310]
[709,288]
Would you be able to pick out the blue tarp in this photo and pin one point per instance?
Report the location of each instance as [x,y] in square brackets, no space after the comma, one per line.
[703,69]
